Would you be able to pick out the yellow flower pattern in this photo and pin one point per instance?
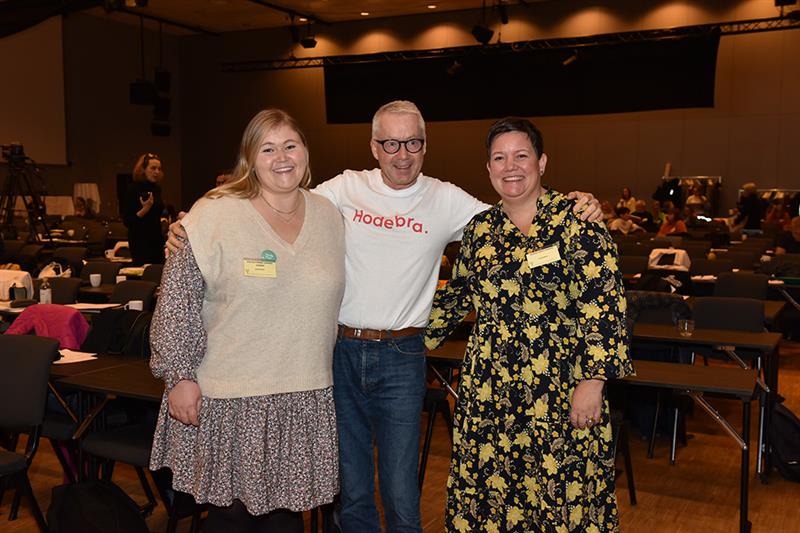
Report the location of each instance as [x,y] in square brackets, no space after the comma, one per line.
[518,465]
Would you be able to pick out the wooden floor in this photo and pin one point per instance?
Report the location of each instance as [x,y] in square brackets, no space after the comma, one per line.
[699,493]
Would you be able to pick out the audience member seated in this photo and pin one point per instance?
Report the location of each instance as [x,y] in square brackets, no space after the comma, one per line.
[627,199]
[623,223]
[673,225]
[82,209]
[750,209]
[644,218]
[697,202]
[789,241]
[778,215]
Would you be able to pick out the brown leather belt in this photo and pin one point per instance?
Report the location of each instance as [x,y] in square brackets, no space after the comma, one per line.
[377,334]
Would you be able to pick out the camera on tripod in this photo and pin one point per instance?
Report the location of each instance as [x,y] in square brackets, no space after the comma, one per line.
[13,153]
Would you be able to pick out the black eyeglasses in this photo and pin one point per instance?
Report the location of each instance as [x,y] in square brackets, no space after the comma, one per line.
[392,146]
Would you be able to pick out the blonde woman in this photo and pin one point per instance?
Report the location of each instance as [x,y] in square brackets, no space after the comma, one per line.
[243,336]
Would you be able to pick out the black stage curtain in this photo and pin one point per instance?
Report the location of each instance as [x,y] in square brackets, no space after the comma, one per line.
[608,78]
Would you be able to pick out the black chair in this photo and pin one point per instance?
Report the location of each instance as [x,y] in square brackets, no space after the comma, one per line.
[125,291]
[153,273]
[96,234]
[108,271]
[634,248]
[11,249]
[28,257]
[742,285]
[71,256]
[745,260]
[709,267]
[695,249]
[435,400]
[632,264]
[741,314]
[63,290]
[24,372]
[655,308]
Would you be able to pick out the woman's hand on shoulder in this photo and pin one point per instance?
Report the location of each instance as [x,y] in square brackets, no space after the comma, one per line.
[586,205]
[587,403]
[184,402]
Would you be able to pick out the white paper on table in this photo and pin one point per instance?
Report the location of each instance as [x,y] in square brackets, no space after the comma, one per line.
[71,356]
[92,308]
[131,271]
[704,277]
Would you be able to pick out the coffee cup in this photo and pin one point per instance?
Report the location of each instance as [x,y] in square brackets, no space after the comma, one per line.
[95,279]
[135,305]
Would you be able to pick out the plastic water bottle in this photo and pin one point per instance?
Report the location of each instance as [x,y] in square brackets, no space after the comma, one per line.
[45,292]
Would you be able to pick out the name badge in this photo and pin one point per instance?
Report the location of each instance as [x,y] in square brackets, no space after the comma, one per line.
[545,256]
[258,268]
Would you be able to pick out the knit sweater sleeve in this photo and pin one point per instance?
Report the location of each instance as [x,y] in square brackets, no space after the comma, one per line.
[177,336]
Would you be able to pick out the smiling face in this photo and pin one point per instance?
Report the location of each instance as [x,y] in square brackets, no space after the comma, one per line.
[281,160]
[399,170]
[515,169]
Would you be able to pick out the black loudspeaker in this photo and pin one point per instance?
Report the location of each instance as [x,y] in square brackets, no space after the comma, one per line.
[782,3]
[160,128]
[162,79]
[142,92]
[161,109]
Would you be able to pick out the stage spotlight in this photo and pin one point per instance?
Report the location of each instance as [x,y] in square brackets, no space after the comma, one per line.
[482,34]
[308,42]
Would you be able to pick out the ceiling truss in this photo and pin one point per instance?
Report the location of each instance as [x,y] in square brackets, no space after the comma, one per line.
[791,21]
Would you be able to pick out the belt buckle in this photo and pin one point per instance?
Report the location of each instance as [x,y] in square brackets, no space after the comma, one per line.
[357,332]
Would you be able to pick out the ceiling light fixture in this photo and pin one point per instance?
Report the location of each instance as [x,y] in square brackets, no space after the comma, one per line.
[365,13]
[431,6]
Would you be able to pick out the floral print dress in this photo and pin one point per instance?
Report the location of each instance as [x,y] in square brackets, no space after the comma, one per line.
[550,312]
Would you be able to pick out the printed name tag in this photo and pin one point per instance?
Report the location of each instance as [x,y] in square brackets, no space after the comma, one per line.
[545,256]
[258,268]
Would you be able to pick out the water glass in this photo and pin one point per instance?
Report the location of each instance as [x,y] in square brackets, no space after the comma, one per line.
[685,327]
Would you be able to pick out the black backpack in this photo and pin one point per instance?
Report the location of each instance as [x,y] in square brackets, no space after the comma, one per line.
[784,434]
[93,507]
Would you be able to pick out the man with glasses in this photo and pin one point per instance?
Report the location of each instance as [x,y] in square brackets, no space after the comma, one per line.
[397,223]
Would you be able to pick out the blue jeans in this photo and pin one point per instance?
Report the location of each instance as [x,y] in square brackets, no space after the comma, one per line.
[379,387]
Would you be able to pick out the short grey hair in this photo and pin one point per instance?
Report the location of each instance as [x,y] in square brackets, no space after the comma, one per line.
[398,106]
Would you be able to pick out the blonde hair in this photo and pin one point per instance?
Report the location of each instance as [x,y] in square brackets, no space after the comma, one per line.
[398,106]
[243,182]
[141,165]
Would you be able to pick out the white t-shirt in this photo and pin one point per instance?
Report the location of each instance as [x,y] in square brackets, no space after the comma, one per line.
[393,244]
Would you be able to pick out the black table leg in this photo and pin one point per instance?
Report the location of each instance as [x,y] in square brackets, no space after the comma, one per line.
[744,523]
[771,378]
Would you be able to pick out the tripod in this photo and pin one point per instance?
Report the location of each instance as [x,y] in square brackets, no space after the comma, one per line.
[22,172]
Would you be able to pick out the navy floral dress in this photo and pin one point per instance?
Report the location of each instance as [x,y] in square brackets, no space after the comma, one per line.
[550,312]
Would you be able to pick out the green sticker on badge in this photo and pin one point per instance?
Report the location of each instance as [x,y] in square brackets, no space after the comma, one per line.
[269,255]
